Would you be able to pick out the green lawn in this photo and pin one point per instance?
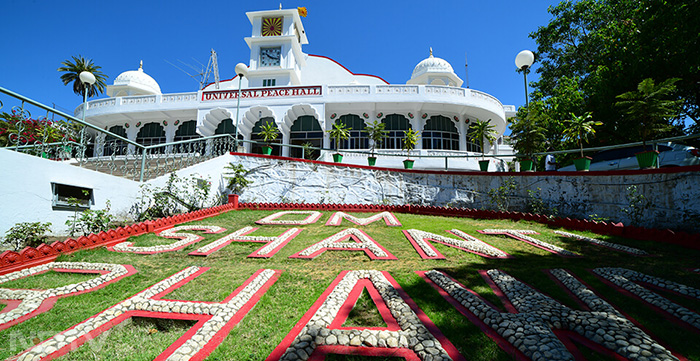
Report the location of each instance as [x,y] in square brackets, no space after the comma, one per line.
[303,281]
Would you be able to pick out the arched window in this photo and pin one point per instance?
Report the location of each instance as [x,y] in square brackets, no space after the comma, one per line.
[358,137]
[113,145]
[186,131]
[151,134]
[227,127]
[305,130]
[440,133]
[471,146]
[257,137]
[396,124]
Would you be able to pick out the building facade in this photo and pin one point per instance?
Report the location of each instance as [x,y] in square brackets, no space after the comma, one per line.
[304,95]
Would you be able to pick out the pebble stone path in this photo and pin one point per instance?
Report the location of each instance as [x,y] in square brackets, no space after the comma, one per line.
[530,330]
[221,314]
[185,240]
[32,299]
[413,333]
[522,235]
[626,279]
[471,244]
[240,235]
[364,243]
[272,219]
[615,246]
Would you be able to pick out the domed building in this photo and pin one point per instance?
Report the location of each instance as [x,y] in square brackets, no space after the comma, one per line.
[303,95]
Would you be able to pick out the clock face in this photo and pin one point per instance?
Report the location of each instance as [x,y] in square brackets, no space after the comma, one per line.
[271,27]
[270,56]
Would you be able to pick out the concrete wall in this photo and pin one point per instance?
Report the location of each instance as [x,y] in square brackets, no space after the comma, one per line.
[674,195]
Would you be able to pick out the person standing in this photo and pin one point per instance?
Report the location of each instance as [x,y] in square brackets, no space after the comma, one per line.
[550,162]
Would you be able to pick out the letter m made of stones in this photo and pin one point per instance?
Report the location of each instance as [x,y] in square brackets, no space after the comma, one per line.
[533,327]
[215,319]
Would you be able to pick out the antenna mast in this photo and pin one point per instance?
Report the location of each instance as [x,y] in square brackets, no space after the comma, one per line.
[212,66]
[466,68]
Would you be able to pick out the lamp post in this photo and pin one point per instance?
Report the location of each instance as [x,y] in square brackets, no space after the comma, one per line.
[241,70]
[88,79]
[524,61]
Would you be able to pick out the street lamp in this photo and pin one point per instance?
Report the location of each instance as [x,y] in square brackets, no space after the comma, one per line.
[524,61]
[241,70]
[88,79]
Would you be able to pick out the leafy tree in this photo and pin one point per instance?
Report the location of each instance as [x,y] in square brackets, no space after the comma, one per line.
[410,139]
[579,128]
[528,133]
[609,46]
[376,131]
[71,74]
[269,132]
[482,131]
[651,105]
[339,132]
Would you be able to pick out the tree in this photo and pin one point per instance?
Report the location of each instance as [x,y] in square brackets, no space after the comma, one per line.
[527,133]
[482,131]
[578,128]
[339,132]
[376,131]
[609,46]
[71,74]
[650,106]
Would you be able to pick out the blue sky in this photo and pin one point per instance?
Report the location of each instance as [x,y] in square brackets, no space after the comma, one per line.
[383,38]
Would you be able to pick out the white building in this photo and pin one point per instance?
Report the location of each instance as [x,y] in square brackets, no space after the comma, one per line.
[304,95]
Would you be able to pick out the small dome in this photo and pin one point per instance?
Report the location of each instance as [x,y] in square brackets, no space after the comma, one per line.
[432,65]
[134,82]
[434,71]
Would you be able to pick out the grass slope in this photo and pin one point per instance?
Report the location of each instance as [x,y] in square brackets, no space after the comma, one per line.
[303,281]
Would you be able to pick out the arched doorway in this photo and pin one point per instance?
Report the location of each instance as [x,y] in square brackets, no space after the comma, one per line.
[440,133]
[257,137]
[152,134]
[115,146]
[358,138]
[305,130]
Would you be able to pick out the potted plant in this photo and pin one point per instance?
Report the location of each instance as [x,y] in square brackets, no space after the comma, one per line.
[579,128]
[651,106]
[410,140]
[236,181]
[339,132]
[376,132]
[529,138]
[269,132]
[480,132]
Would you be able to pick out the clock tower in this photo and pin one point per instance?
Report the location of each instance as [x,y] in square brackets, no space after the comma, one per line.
[276,58]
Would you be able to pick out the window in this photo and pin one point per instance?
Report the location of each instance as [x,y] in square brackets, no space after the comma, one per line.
[67,197]
[114,146]
[269,82]
[151,134]
[440,133]
[226,127]
[256,137]
[305,130]
[396,124]
[186,131]
[358,137]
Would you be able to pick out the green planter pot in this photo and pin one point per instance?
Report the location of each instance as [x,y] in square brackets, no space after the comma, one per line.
[337,157]
[267,150]
[484,165]
[372,161]
[647,159]
[408,164]
[583,164]
[526,165]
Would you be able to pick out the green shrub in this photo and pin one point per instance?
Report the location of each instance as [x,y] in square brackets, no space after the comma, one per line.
[27,234]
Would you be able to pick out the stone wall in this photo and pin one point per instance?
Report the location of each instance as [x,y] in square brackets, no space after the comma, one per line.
[672,195]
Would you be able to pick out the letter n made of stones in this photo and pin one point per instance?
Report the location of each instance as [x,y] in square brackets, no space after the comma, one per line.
[409,332]
[536,327]
[214,319]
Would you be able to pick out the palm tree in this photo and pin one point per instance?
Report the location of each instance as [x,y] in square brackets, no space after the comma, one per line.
[579,128]
[71,73]
[482,131]
[651,105]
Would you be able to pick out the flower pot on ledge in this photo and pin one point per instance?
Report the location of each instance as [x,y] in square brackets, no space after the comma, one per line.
[484,165]
[526,165]
[372,161]
[267,150]
[647,159]
[583,164]
[408,164]
[337,157]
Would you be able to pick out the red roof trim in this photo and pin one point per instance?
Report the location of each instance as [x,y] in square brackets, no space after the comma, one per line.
[346,69]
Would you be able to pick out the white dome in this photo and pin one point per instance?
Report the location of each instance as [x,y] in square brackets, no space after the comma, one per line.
[434,71]
[134,82]
[432,65]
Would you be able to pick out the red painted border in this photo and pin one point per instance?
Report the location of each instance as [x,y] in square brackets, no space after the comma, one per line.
[422,254]
[349,304]
[532,244]
[342,66]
